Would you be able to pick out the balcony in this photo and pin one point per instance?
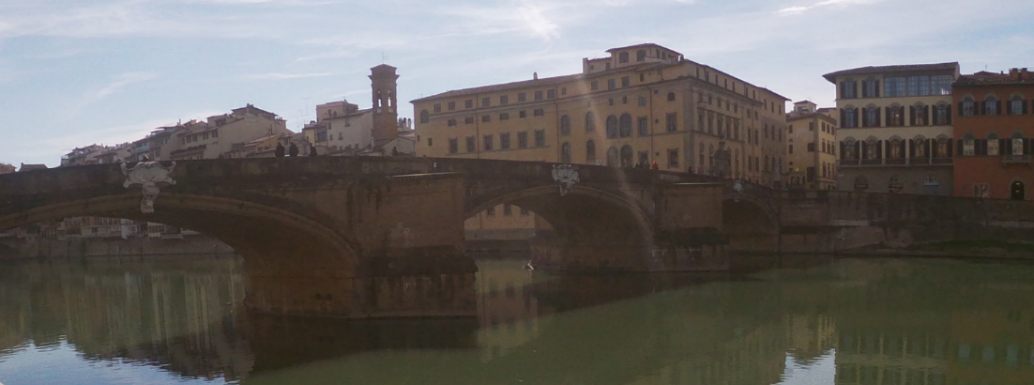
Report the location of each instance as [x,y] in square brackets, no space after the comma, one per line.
[1016,159]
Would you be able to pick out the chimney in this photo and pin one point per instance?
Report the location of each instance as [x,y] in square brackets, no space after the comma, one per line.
[1024,75]
[535,76]
[1014,74]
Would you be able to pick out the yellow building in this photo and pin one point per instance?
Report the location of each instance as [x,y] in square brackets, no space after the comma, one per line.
[642,104]
[811,148]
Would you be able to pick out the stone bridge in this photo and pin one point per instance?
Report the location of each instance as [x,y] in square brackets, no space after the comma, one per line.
[384,237]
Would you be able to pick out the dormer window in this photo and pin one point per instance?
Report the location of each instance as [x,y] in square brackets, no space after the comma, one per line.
[623,57]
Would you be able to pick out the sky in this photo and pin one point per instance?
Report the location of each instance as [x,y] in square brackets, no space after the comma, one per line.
[79,72]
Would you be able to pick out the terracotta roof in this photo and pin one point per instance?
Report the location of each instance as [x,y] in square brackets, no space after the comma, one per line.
[831,77]
[990,78]
[541,82]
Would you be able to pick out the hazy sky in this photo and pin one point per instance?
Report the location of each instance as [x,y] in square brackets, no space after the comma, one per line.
[75,72]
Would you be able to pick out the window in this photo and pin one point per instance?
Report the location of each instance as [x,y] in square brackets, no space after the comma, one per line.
[671,96]
[642,101]
[452,106]
[522,97]
[469,103]
[968,107]
[590,152]
[640,55]
[504,141]
[847,90]
[539,112]
[538,95]
[870,88]
[981,190]
[468,120]
[486,102]
[896,86]
[895,116]
[626,126]
[490,211]
[624,100]
[437,107]
[811,147]
[1017,106]
[595,85]
[967,146]
[790,149]
[612,126]
[540,138]
[1017,145]
[942,115]
[565,125]
[625,82]
[671,121]
[452,122]
[488,143]
[992,144]
[522,114]
[525,212]
[872,117]
[471,144]
[673,158]
[486,118]
[623,57]
[504,116]
[565,153]
[454,145]
[849,117]
[425,117]
[550,94]
[611,84]
[563,90]
[507,210]
[522,140]
[590,121]
[990,106]
[504,99]
[644,126]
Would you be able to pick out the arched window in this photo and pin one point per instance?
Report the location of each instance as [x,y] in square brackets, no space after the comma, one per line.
[425,116]
[991,105]
[895,115]
[1016,146]
[1017,106]
[590,122]
[942,149]
[850,117]
[612,126]
[626,126]
[919,147]
[565,125]
[920,114]
[623,57]
[992,144]
[942,114]
[590,152]
[626,156]
[565,153]
[849,151]
[872,117]
[612,157]
[968,145]
[895,149]
[967,107]
[640,55]
[671,96]
[1016,191]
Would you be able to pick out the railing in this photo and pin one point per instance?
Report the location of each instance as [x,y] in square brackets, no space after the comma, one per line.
[847,162]
[872,162]
[895,161]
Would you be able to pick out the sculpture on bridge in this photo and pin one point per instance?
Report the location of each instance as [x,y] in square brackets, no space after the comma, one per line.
[566,175]
[148,175]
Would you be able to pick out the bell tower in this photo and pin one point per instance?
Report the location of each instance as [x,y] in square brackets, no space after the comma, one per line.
[385,103]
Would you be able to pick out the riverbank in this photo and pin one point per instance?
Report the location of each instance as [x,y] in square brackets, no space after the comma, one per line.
[958,249]
[12,249]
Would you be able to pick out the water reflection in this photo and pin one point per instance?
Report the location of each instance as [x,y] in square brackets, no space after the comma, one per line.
[849,322]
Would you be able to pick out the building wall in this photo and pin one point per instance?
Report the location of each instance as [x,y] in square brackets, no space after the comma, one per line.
[504,221]
[646,92]
[982,175]
[916,173]
[221,132]
[818,131]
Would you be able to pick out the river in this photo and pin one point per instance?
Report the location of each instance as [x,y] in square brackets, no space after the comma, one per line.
[842,321]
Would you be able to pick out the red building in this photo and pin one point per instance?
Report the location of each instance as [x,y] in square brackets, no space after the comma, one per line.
[994,129]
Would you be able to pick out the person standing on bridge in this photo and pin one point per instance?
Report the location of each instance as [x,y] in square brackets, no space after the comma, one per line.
[279,152]
[293,150]
[653,166]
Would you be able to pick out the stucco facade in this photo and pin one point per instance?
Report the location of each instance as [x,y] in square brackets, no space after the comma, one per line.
[215,137]
[994,129]
[642,104]
[811,148]
[895,128]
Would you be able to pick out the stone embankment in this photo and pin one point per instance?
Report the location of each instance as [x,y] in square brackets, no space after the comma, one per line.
[113,247]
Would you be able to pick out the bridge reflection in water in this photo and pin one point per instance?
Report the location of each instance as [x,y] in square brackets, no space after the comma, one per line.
[877,321]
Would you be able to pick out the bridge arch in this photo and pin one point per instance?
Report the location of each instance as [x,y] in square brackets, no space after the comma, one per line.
[750,222]
[595,229]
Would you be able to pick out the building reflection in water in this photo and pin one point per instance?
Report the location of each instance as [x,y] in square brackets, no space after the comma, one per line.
[885,322]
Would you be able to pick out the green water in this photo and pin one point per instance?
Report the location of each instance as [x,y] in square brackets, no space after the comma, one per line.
[839,322]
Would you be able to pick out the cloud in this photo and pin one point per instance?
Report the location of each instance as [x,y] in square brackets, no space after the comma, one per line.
[123,81]
[796,10]
[529,18]
[286,76]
